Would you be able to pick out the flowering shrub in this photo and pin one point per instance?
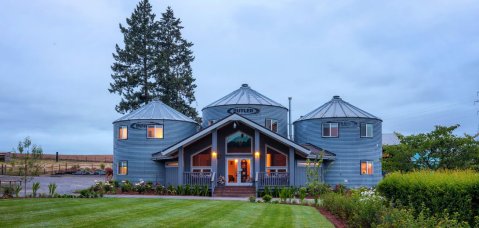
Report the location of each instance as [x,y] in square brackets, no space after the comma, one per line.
[140,187]
[126,186]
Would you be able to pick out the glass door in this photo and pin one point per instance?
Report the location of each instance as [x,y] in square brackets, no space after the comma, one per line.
[239,171]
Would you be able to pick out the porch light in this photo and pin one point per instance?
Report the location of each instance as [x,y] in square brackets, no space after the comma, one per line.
[236,160]
[256,154]
[213,154]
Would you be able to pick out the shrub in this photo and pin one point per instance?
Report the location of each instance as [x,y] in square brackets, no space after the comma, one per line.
[205,190]
[439,191]
[340,188]
[35,187]
[252,199]
[338,204]
[160,189]
[8,191]
[52,187]
[302,194]
[107,187]
[140,187]
[126,186]
[267,198]
[171,190]
[16,189]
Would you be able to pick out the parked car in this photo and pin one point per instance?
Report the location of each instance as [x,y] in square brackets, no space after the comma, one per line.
[99,172]
[79,172]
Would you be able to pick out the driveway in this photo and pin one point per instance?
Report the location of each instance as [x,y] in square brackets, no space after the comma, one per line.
[66,184]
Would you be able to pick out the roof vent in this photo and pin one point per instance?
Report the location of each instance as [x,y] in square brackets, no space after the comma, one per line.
[336,97]
[244,85]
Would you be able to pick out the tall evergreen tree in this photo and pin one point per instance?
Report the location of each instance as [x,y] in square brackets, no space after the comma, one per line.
[134,67]
[174,71]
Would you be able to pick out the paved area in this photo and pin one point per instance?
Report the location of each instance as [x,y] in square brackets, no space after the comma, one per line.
[66,184]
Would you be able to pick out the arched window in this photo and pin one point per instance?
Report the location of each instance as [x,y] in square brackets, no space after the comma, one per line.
[239,143]
[201,161]
[276,162]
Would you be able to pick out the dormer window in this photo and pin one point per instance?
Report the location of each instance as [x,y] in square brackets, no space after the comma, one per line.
[123,132]
[330,130]
[155,132]
[272,125]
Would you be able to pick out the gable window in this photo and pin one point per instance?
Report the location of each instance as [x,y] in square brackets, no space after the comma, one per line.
[155,132]
[276,162]
[366,167]
[201,161]
[272,125]
[123,168]
[366,130]
[330,130]
[239,143]
[123,132]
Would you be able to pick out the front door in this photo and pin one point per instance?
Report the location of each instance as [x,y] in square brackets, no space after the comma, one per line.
[239,171]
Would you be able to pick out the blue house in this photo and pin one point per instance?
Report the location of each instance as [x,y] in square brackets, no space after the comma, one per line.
[243,145]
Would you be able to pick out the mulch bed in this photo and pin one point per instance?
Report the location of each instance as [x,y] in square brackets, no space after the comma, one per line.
[337,222]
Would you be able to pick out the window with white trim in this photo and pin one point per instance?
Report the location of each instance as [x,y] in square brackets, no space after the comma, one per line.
[272,125]
[123,168]
[366,167]
[330,130]
[366,130]
[154,132]
[201,161]
[123,132]
[276,162]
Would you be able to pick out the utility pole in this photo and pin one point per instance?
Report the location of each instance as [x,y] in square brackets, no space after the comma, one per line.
[477,102]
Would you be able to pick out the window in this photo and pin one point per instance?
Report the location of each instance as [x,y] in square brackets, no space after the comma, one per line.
[239,143]
[123,132]
[155,132]
[276,162]
[366,167]
[201,161]
[367,130]
[211,122]
[171,164]
[330,130]
[123,168]
[272,125]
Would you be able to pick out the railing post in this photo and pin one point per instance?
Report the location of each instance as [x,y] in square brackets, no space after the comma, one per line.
[291,166]
[214,150]
[180,166]
[256,150]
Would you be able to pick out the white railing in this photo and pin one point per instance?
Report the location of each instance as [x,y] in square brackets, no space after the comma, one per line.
[197,178]
[264,179]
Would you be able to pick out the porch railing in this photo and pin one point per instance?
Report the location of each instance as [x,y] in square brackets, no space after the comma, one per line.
[264,179]
[213,183]
[197,178]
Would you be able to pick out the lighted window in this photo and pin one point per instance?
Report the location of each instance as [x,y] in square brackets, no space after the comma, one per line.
[155,132]
[330,130]
[272,125]
[201,162]
[171,164]
[123,168]
[366,130]
[239,142]
[123,132]
[276,162]
[366,167]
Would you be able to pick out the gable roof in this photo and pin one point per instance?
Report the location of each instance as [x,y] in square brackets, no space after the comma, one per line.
[155,110]
[315,150]
[232,117]
[336,108]
[244,95]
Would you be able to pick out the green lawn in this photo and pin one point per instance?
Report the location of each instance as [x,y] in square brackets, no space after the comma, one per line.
[129,212]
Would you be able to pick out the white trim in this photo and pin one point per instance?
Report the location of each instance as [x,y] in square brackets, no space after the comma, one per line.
[199,167]
[266,159]
[270,127]
[238,154]
[244,120]
[250,158]
[329,136]
[154,131]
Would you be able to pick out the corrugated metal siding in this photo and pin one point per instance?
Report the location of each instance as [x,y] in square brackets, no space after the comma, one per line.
[265,112]
[137,149]
[349,148]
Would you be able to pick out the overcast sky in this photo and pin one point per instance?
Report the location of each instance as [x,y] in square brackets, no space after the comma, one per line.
[415,64]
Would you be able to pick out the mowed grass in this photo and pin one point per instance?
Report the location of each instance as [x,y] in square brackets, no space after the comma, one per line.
[131,212]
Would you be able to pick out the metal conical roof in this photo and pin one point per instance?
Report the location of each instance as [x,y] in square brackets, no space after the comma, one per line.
[337,108]
[244,95]
[155,110]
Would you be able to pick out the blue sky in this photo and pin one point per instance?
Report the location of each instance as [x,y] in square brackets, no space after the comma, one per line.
[415,64]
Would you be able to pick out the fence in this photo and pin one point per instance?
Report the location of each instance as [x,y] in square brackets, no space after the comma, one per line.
[52,169]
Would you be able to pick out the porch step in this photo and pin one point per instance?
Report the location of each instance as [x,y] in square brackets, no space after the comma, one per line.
[234,191]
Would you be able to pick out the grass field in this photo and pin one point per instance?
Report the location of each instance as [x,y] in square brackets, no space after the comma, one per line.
[129,212]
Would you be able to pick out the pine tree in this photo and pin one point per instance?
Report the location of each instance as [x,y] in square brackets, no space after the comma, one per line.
[174,72]
[134,67]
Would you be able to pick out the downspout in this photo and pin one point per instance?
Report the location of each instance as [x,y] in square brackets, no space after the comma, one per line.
[290,124]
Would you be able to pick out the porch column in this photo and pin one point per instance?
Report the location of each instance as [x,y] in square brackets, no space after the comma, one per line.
[257,153]
[214,151]
[291,166]
[181,165]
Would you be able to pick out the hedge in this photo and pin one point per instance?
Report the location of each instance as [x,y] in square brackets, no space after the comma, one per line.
[452,191]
